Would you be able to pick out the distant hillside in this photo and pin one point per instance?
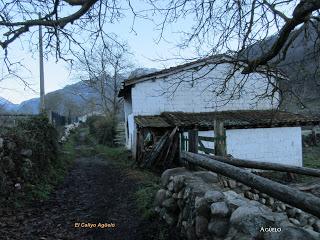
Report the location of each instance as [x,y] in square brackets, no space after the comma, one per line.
[302,66]
[7,106]
[78,99]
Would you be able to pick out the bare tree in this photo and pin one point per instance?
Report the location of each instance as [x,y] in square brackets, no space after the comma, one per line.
[234,26]
[62,20]
[256,36]
[103,69]
[255,33]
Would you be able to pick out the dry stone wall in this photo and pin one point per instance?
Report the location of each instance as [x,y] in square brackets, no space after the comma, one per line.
[203,206]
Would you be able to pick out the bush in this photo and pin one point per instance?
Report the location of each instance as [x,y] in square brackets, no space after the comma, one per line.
[103,128]
[31,148]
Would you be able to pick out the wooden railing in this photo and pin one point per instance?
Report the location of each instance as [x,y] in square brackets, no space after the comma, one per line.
[305,201]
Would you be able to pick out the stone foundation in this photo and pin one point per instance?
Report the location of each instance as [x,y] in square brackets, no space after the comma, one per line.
[203,205]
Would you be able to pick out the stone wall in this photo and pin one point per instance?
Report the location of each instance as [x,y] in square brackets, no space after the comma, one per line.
[203,205]
[28,154]
[15,165]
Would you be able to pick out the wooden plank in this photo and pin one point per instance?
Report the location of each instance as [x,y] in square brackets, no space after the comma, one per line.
[168,144]
[207,139]
[304,201]
[206,150]
[220,147]
[193,141]
[151,157]
[183,142]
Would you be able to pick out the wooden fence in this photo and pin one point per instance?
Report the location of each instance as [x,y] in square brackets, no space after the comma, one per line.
[305,201]
[201,146]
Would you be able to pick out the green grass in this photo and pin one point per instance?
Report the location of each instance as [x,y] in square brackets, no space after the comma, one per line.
[42,189]
[144,197]
[311,157]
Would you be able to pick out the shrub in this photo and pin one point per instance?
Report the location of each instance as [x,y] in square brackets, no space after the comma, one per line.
[32,149]
[103,128]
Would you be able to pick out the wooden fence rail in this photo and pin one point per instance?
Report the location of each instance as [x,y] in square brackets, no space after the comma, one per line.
[267,166]
[286,194]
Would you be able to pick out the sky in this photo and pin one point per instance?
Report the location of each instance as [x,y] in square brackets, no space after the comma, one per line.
[143,43]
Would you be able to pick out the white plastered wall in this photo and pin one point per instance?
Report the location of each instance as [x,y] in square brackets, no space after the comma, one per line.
[275,145]
[197,93]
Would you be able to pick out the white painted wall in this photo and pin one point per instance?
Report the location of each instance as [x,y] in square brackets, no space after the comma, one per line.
[199,95]
[129,125]
[275,145]
[196,93]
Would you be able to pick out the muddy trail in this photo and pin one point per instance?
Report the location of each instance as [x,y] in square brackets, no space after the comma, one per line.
[95,191]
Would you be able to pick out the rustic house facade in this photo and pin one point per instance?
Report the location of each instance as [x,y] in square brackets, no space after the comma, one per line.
[193,95]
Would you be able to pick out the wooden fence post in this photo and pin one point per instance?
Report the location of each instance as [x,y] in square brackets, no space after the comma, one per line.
[314,136]
[193,141]
[220,146]
[183,142]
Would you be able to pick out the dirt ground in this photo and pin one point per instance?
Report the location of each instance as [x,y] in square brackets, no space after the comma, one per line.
[94,191]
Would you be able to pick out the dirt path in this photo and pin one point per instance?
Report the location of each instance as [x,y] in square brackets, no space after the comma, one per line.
[94,191]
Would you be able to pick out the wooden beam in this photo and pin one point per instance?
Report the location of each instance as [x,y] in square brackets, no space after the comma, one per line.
[220,147]
[183,142]
[267,166]
[207,139]
[193,141]
[286,194]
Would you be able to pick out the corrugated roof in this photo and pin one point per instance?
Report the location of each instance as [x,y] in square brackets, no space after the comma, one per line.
[232,119]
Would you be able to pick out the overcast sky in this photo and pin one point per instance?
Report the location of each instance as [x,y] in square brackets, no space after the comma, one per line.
[143,43]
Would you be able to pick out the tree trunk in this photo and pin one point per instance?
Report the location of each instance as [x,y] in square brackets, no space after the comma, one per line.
[267,166]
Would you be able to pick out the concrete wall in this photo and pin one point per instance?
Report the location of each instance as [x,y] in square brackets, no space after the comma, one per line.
[277,145]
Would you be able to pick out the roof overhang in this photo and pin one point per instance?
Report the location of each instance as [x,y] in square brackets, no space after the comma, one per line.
[239,119]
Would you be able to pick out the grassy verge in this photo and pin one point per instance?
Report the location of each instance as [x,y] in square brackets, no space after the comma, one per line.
[42,189]
[311,157]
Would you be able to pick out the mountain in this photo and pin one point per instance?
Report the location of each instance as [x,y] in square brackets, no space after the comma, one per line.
[7,106]
[302,66]
[30,106]
[76,99]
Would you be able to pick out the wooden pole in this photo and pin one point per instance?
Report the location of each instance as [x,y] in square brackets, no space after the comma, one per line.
[220,147]
[289,195]
[314,136]
[193,141]
[267,166]
[42,103]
